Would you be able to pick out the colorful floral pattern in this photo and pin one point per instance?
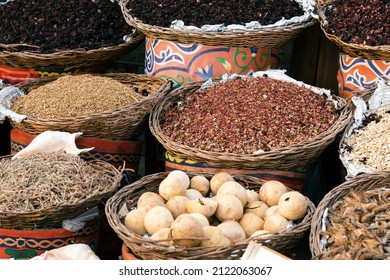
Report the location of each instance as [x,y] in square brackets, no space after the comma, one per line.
[184,63]
[356,73]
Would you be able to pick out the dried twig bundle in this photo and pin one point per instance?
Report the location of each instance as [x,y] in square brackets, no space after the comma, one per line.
[49,180]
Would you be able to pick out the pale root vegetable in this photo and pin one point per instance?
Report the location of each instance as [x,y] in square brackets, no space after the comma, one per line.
[187,226]
[148,200]
[233,231]
[193,194]
[134,221]
[229,208]
[271,211]
[257,207]
[205,206]
[271,191]
[234,188]
[201,184]
[170,187]
[214,237]
[182,176]
[177,205]
[201,218]
[292,205]
[261,234]
[156,218]
[163,234]
[148,203]
[275,223]
[252,195]
[218,179]
[250,223]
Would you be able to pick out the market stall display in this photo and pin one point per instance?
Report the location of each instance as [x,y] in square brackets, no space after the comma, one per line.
[360,30]
[41,191]
[35,41]
[266,122]
[252,25]
[155,228]
[89,103]
[350,223]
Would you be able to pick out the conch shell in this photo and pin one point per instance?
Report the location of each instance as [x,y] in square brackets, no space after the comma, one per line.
[53,141]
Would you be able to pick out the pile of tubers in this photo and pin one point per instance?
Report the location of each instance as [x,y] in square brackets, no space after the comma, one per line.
[219,211]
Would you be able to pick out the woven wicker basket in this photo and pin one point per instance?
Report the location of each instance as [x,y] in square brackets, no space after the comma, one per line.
[354,50]
[68,59]
[267,37]
[54,216]
[362,182]
[284,241]
[292,157]
[117,124]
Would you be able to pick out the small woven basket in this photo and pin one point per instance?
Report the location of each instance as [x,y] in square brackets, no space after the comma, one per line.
[117,124]
[284,241]
[68,59]
[266,37]
[53,217]
[359,183]
[353,50]
[292,157]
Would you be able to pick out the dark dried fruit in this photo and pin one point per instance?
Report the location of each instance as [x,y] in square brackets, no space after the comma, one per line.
[360,22]
[53,25]
[201,12]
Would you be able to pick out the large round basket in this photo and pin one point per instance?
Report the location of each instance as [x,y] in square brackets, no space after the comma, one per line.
[285,241]
[68,59]
[52,217]
[363,182]
[297,156]
[355,50]
[266,37]
[117,124]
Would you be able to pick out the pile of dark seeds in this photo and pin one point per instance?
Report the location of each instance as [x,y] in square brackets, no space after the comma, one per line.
[364,22]
[201,12]
[54,25]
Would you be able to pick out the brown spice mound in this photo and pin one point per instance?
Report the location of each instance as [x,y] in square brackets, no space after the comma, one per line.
[47,180]
[245,115]
[74,96]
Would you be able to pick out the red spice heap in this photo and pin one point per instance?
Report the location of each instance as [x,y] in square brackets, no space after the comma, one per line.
[244,115]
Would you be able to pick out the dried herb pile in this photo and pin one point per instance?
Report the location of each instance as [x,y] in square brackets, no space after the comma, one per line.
[54,25]
[369,145]
[201,12]
[364,22]
[358,226]
[73,96]
[44,181]
[245,115]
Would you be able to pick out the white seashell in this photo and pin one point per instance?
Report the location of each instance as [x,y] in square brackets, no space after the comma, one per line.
[53,141]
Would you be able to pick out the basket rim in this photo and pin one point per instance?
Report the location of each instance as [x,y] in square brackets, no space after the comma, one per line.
[117,175]
[115,202]
[381,52]
[212,38]
[63,58]
[164,84]
[204,156]
[361,182]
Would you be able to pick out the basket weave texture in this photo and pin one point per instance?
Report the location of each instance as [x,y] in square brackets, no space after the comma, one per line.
[117,124]
[284,241]
[292,157]
[54,216]
[68,59]
[353,50]
[267,37]
[359,183]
